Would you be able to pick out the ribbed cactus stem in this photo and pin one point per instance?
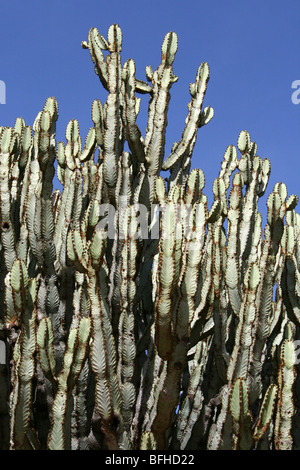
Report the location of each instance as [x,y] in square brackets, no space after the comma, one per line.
[135,315]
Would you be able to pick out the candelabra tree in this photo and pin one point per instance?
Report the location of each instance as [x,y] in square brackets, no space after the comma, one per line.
[132,315]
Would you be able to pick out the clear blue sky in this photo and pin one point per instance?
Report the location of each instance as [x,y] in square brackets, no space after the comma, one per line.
[252,48]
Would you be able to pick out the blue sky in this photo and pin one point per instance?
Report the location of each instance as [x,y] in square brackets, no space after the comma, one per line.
[252,48]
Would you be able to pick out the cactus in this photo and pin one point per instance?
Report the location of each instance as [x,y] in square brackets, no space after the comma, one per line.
[134,316]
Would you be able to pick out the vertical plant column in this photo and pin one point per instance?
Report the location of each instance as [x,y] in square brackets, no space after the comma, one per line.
[184,311]
[127,347]
[74,358]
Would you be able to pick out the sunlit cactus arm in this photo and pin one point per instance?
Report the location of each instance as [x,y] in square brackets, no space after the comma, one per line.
[22,247]
[243,349]
[154,374]
[194,195]
[57,437]
[184,148]
[73,146]
[44,146]
[266,413]
[98,118]
[91,174]
[123,196]
[220,433]
[285,405]
[77,250]
[89,146]
[103,362]
[96,44]
[100,186]
[193,402]
[221,310]
[17,175]
[296,218]
[264,303]
[61,163]
[13,398]
[147,441]
[205,281]
[190,264]
[177,352]
[113,131]
[183,231]
[81,409]
[246,147]
[165,284]
[44,141]
[273,270]
[65,212]
[24,165]
[74,359]
[162,79]
[131,111]
[194,186]
[33,211]
[241,416]
[218,298]
[80,353]
[142,87]
[41,228]
[124,183]
[290,280]
[153,371]
[45,339]
[127,347]
[228,164]
[8,241]
[232,272]
[242,353]
[255,252]
[16,285]
[144,192]
[252,170]
[38,197]
[277,207]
